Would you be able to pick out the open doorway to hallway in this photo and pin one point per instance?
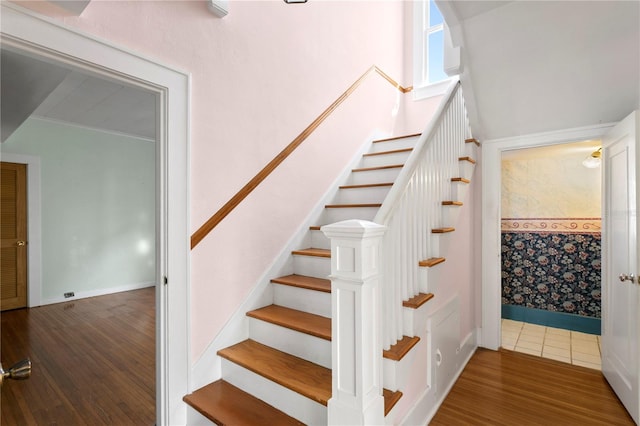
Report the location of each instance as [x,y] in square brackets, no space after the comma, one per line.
[89,144]
[551,252]
[52,40]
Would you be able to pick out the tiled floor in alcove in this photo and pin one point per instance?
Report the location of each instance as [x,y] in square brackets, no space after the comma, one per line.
[563,345]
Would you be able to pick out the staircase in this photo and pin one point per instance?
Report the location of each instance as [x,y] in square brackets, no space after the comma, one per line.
[281,374]
[412,186]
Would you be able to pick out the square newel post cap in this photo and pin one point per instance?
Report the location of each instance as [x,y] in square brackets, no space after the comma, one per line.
[355,228]
[355,249]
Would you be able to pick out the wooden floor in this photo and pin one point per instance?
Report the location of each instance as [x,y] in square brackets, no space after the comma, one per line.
[510,388]
[93,362]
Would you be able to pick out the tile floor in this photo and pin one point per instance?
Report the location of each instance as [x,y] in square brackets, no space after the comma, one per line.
[562,345]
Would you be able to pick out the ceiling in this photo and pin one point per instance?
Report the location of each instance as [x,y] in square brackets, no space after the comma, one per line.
[469,9]
[534,66]
[32,88]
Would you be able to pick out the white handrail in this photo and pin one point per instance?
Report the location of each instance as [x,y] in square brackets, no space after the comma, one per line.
[413,208]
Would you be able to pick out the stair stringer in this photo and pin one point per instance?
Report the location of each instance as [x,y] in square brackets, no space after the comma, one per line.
[437,322]
[208,367]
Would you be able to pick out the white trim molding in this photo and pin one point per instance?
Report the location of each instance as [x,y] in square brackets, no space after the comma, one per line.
[49,40]
[491,215]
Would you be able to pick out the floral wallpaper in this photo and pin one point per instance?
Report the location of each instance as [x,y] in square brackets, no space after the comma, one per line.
[553,271]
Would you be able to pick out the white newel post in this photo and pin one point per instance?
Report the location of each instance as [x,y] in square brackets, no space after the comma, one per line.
[356,314]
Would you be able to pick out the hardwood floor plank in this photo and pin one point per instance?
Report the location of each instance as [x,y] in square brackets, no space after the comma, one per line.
[508,388]
[93,361]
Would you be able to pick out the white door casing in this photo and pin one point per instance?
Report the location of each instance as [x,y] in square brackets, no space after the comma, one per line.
[49,40]
[620,287]
[490,168]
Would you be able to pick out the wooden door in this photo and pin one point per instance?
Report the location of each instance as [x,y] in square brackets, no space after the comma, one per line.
[620,289]
[13,236]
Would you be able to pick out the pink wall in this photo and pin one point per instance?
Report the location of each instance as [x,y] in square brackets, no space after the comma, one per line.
[259,77]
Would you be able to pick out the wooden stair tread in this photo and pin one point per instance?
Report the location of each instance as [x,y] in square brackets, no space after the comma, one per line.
[225,404]
[315,228]
[393,151]
[401,348]
[304,322]
[460,179]
[314,252]
[442,230]
[297,374]
[469,159]
[472,140]
[366,185]
[452,203]
[302,281]
[397,137]
[418,300]
[367,169]
[347,206]
[390,399]
[432,261]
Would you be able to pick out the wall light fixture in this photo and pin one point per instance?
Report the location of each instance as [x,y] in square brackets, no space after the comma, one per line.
[593,160]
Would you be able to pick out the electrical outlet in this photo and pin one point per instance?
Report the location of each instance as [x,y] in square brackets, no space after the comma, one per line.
[69,294]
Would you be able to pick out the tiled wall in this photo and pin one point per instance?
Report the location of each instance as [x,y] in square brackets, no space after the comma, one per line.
[552,265]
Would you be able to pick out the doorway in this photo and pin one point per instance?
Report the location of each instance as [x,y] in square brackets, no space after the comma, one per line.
[97,234]
[33,36]
[492,215]
[551,252]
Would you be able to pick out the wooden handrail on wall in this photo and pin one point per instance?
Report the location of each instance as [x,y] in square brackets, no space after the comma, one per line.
[228,207]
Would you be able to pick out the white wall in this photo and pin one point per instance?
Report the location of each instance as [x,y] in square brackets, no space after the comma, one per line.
[98,208]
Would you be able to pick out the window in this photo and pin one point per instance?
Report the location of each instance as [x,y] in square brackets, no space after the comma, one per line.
[428,50]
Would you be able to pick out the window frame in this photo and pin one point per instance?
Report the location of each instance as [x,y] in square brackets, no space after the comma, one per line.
[421,30]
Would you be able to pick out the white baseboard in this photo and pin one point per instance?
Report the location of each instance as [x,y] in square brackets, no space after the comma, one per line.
[99,292]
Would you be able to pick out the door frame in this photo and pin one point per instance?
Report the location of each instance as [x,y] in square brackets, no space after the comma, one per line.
[47,39]
[491,335]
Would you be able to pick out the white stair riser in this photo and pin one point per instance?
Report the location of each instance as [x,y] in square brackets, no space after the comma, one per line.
[466,169]
[286,400]
[394,144]
[373,176]
[375,194]
[430,278]
[385,159]
[302,345]
[415,320]
[319,240]
[396,375]
[312,266]
[459,191]
[471,150]
[440,243]
[194,418]
[314,302]
[450,215]
[333,215]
